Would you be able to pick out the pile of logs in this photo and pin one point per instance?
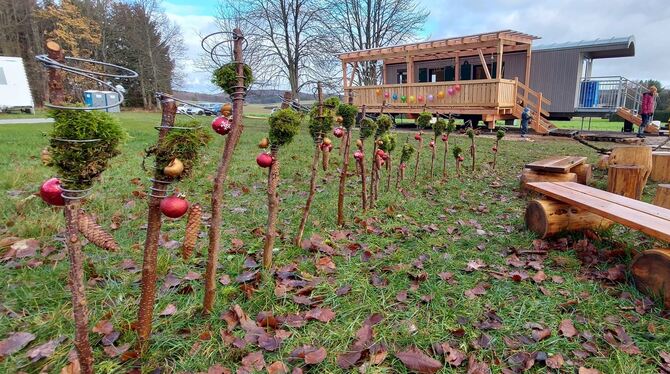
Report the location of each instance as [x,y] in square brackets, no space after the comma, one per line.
[629,168]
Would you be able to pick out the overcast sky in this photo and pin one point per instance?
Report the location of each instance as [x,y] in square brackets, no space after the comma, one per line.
[554,21]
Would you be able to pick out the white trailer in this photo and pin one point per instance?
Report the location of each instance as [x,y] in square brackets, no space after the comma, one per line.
[14,88]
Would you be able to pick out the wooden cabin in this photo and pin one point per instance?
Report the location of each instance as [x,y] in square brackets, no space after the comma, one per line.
[482,77]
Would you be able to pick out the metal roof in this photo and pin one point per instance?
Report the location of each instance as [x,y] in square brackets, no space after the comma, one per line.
[597,48]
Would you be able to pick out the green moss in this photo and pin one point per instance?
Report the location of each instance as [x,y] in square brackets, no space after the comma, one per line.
[284,125]
[407,150]
[384,124]
[318,126]
[457,151]
[368,127]
[388,142]
[182,144]
[470,133]
[439,127]
[500,134]
[78,164]
[348,113]
[225,77]
[451,126]
[424,120]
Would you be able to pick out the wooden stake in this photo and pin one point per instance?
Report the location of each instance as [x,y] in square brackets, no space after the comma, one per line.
[73,244]
[220,178]
[343,179]
[273,209]
[418,155]
[148,294]
[314,171]
[432,158]
[444,161]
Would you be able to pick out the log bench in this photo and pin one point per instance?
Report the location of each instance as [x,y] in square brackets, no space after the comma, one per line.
[557,169]
[576,205]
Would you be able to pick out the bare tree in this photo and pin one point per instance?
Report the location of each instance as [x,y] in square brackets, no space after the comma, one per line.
[366,24]
[285,38]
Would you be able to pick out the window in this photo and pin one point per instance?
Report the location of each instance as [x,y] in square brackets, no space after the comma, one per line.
[3,79]
[436,75]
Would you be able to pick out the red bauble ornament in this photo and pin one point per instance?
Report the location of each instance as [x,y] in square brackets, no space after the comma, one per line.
[445,137]
[461,158]
[174,206]
[338,132]
[222,125]
[264,160]
[417,136]
[403,166]
[358,155]
[432,144]
[51,192]
[494,149]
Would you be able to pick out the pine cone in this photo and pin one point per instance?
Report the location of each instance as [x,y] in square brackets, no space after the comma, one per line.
[192,231]
[95,233]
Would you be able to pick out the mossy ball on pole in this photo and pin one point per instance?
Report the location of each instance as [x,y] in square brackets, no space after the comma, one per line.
[284,125]
[368,127]
[225,77]
[423,120]
[348,113]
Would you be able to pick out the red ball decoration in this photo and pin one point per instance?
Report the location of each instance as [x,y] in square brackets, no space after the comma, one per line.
[432,144]
[221,125]
[457,87]
[358,155]
[51,192]
[264,160]
[338,132]
[417,136]
[174,206]
[445,137]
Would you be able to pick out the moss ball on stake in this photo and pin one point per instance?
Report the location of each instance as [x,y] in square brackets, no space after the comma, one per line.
[348,113]
[183,144]
[78,160]
[423,120]
[368,127]
[284,125]
[318,127]
[225,77]
[384,124]
[439,127]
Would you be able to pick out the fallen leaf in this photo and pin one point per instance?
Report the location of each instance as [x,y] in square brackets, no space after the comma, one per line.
[476,367]
[452,356]
[322,314]
[254,361]
[325,264]
[556,361]
[583,370]
[277,367]
[45,350]
[15,342]
[474,265]
[419,362]
[567,328]
[113,351]
[316,356]
[103,327]
[343,290]
[192,275]
[169,310]
[25,248]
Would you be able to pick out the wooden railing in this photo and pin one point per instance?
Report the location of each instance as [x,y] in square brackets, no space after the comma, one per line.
[489,93]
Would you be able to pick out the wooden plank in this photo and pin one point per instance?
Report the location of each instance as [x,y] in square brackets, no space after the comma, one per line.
[646,223]
[484,66]
[557,164]
[638,205]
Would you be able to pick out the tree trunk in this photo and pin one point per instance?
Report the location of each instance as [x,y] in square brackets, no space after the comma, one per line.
[273,209]
[549,217]
[626,180]
[220,178]
[651,271]
[148,294]
[343,179]
[603,160]
[633,155]
[312,191]
[529,175]
[660,170]
[662,197]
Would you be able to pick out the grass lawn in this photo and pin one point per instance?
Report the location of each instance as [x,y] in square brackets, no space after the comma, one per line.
[415,260]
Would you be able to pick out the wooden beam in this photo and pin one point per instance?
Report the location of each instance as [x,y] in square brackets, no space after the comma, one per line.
[344,74]
[457,68]
[526,80]
[383,71]
[484,66]
[414,50]
[500,60]
[410,70]
[463,53]
[353,73]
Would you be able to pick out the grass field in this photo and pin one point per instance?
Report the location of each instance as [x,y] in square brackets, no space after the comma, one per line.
[418,265]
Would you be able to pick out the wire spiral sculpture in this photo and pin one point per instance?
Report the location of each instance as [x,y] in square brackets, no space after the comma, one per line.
[213,54]
[50,63]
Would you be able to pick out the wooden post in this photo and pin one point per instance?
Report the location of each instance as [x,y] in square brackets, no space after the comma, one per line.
[651,272]
[221,175]
[584,173]
[286,101]
[500,60]
[549,217]
[457,68]
[383,71]
[154,222]
[626,180]
[526,79]
[632,155]
[662,197]
[538,115]
[484,66]
[347,96]
[660,169]
[73,245]
[528,176]
[410,70]
[273,208]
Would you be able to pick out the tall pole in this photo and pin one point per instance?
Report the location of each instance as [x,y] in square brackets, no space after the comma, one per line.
[221,175]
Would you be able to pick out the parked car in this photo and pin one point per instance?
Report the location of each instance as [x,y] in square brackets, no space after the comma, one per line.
[195,111]
[211,109]
[182,109]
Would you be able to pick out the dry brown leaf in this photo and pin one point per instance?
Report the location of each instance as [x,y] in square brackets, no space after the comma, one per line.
[417,361]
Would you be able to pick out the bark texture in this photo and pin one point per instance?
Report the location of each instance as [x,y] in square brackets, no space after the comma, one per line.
[343,179]
[273,209]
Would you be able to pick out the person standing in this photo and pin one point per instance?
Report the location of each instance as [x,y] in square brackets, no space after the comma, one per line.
[646,109]
[525,120]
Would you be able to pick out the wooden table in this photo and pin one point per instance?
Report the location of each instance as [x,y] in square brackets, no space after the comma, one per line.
[556,164]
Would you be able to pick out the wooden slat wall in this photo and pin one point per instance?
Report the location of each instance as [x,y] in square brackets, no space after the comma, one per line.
[481,93]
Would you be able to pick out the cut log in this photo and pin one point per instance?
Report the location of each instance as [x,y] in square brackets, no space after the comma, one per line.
[602,163]
[626,180]
[651,272]
[529,175]
[639,155]
[584,173]
[662,197]
[660,170]
[547,217]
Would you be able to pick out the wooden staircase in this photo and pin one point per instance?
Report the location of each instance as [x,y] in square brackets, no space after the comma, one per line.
[535,101]
[629,116]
